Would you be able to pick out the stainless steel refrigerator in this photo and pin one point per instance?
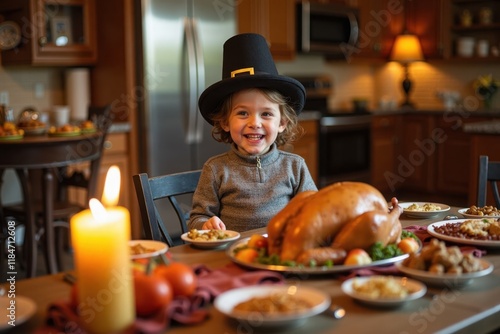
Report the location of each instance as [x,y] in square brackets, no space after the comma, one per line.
[179,55]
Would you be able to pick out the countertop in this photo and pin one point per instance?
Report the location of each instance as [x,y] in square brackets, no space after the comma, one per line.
[488,127]
[119,127]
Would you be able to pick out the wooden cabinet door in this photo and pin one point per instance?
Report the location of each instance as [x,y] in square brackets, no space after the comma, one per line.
[425,18]
[54,33]
[384,151]
[275,20]
[379,22]
[415,166]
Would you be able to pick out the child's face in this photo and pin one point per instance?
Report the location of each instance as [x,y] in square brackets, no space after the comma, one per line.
[254,122]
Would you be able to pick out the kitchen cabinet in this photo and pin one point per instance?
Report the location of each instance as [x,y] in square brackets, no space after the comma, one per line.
[481,144]
[384,151]
[115,153]
[478,20]
[453,167]
[53,32]
[307,147]
[275,20]
[380,21]
[416,164]
[425,19]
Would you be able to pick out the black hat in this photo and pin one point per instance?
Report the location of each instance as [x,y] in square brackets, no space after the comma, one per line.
[247,63]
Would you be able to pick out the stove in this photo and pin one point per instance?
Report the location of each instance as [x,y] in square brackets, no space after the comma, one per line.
[344,136]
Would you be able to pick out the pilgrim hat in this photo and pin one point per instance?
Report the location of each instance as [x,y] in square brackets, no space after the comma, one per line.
[247,63]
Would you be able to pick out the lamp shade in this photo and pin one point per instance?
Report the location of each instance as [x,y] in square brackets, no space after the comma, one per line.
[407,49]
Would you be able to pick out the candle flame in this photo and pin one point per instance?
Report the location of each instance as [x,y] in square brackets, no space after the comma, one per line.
[111,191]
[98,210]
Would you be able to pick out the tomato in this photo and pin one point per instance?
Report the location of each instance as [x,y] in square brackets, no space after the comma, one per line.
[257,241]
[152,293]
[247,255]
[181,277]
[408,245]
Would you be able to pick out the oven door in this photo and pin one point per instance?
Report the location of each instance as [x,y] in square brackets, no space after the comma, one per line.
[344,149]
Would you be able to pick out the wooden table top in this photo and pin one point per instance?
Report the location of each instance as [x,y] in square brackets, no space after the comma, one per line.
[474,308]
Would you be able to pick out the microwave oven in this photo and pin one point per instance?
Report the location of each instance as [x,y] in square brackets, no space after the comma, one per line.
[327,28]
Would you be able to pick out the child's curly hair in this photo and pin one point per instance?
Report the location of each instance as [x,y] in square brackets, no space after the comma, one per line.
[292,131]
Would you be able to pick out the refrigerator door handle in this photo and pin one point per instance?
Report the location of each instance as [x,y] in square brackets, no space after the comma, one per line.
[191,135]
[200,65]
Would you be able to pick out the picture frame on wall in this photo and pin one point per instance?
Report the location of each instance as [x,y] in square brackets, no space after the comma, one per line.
[61,30]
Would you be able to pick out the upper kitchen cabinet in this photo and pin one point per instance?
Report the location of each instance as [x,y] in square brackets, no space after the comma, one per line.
[275,20]
[424,18]
[474,30]
[380,21]
[50,32]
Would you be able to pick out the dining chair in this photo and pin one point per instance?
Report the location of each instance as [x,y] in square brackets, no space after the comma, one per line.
[150,190]
[83,177]
[489,173]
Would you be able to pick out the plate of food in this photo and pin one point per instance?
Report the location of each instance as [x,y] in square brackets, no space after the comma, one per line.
[11,137]
[34,130]
[385,291]
[67,130]
[423,209]
[209,238]
[272,305]
[478,232]
[274,264]
[141,249]
[25,309]
[446,280]
[480,212]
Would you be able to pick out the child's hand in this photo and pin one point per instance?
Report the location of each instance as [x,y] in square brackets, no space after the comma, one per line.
[214,223]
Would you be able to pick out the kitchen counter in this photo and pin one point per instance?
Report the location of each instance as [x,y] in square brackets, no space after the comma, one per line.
[490,127]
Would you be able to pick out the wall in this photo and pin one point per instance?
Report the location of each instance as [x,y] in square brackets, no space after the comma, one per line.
[377,81]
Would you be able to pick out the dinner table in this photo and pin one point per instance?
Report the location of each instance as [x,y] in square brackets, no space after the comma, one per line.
[44,152]
[472,308]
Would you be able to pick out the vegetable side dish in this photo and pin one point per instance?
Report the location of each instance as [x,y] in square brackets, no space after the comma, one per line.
[426,207]
[210,235]
[381,287]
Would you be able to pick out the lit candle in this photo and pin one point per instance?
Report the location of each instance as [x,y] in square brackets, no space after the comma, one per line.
[102,260]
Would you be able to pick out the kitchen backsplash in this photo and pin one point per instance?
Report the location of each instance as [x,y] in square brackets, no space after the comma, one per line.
[43,87]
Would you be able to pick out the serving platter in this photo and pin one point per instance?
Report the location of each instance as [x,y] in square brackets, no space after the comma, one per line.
[422,214]
[304,269]
[317,300]
[150,248]
[464,213]
[233,235]
[34,130]
[446,280]
[65,134]
[418,290]
[11,137]
[475,242]
[25,309]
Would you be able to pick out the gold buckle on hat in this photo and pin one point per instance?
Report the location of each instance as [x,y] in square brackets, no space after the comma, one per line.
[248,70]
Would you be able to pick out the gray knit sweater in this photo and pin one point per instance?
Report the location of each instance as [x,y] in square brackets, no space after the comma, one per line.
[243,195]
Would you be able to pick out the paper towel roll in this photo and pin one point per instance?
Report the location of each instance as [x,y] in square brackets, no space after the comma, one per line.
[78,93]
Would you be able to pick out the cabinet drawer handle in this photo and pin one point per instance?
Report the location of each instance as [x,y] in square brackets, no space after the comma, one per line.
[108,145]
[42,41]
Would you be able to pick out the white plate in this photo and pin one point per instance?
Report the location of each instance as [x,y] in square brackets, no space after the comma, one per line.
[233,235]
[475,242]
[447,280]
[419,289]
[423,214]
[226,301]
[467,215]
[25,308]
[304,269]
[156,248]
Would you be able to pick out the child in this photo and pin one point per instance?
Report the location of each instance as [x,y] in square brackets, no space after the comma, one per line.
[255,110]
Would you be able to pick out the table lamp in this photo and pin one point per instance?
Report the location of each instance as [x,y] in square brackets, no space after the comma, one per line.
[406,50]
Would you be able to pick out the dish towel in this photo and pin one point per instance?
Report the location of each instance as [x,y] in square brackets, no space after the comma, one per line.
[61,317]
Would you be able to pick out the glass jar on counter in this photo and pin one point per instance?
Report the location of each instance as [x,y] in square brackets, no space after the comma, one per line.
[485,15]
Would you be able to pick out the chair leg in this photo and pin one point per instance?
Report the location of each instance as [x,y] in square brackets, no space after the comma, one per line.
[62,241]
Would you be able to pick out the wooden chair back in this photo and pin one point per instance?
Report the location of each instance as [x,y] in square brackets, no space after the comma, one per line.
[151,189]
[489,173]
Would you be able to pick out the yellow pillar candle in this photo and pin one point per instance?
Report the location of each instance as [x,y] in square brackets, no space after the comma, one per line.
[102,260]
